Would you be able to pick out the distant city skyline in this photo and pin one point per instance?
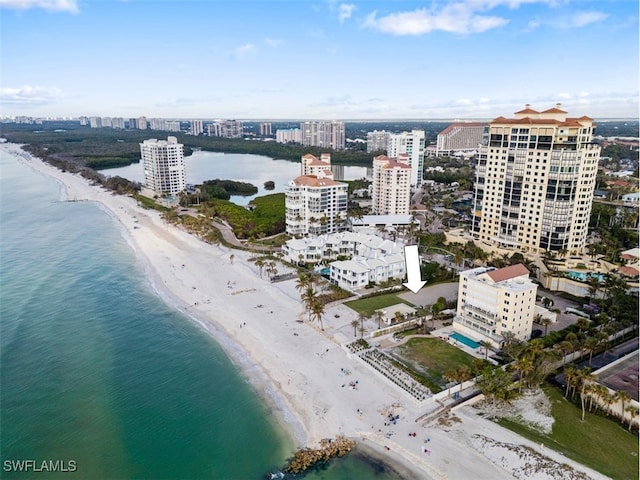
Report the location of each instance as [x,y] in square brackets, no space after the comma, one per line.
[321,60]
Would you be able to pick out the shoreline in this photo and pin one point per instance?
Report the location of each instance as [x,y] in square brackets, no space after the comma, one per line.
[293,366]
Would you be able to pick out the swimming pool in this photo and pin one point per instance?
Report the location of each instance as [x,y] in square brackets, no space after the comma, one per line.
[584,277]
[465,340]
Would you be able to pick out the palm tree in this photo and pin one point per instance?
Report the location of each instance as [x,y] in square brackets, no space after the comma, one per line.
[585,379]
[608,400]
[463,374]
[545,322]
[623,397]
[486,345]
[451,375]
[362,331]
[633,411]
[309,297]
[317,309]
[570,373]
[590,345]
[379,317]
[362,317]
[354,324]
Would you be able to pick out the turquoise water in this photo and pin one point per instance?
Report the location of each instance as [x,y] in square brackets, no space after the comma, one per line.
[98,370]
[584,277]
[466,340]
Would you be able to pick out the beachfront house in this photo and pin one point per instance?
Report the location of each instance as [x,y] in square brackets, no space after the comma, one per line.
[494,301]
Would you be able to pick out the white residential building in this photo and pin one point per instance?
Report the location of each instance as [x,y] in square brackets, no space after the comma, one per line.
[288,135]
[412,144]
[163,162]
[459,138]
[493,301]
[371,258]
[196,127]
[377,141]
[315,205]
[312,165]
[265,129]
[535,181]
[391,185]
[364,244]
[326,134]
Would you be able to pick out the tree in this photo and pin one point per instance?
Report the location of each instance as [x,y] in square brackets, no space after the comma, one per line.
[450,375]
[354,324]
[362,331]
[633,411]
[544,322]
[570,373]
[585,379]
[486,345]
[317,309]
[622,397]
[496,385]
[379,317]
[463,374]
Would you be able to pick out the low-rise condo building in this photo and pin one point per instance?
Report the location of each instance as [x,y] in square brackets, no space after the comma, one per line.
[336,245]
[312,165]
[494,301]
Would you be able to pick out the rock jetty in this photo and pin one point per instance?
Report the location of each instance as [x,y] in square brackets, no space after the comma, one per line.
[306,458]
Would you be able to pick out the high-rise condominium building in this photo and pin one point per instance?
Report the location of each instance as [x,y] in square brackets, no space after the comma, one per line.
[377,141]
[459,138]
[232,128]
[412,144]
[196,127]
[288,135]
[391,185]
[163,162]
[315,205]
[323,134]
[142,123]
[265,129]
[117,122]
[535,180]
[492,302]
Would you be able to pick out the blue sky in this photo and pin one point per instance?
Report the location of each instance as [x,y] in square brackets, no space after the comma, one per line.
[317,59]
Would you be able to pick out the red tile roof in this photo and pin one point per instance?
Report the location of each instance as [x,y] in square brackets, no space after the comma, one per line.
[629,271]
[506,273]
[313,181]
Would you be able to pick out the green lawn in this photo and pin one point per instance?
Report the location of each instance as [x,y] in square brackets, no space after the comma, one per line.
[598,442]
[432,357]
[368,306]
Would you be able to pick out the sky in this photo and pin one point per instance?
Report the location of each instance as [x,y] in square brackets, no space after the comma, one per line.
[315,60]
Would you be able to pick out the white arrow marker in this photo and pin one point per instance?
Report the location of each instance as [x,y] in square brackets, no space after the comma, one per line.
[412,262]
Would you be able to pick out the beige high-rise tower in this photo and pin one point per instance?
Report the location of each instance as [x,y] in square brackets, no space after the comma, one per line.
[534,182]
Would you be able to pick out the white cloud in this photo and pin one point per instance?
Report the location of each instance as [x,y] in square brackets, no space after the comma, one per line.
[582,19]
[245,50]
[50,5]
[345,10]
[273,42]
[28,95]
[453,17]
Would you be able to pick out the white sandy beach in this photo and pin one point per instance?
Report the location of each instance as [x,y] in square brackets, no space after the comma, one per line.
[295,364]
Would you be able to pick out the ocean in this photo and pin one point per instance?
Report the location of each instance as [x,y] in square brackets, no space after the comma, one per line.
[99,376]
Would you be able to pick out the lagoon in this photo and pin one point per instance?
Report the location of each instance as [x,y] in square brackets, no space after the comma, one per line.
[255,169]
